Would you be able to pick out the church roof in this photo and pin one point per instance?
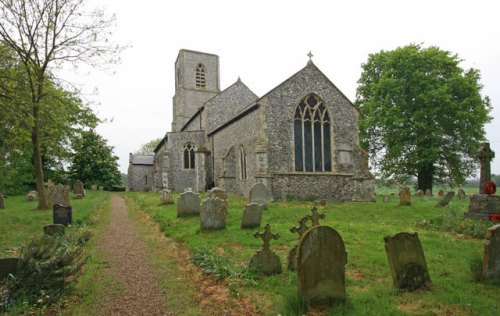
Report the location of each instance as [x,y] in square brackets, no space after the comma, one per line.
[145,160]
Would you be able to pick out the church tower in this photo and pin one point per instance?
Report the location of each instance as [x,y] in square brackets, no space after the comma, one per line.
[196,81]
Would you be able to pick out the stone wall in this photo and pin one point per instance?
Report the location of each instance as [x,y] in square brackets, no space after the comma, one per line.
[140,177]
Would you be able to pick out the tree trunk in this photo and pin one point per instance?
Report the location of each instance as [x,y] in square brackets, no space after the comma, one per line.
[425,176]
[37,157]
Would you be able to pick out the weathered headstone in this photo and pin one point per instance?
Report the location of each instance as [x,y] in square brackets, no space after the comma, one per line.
[491,259]
[259,194]
[447,198]
[405,196]
[78,188]
[440,193]
[2,203]
[54,229]
[32,196]
[61,195]
[252,215]
[321,261]
[220,194]
[292,254]
[166,197]
[93,187]
[8,266]
[101,188]
[420,193]
[315,216]
[188,204]
[265,260]
[212,214]
[50,190]
[78,196]
[483,206]
[62,214]
[485,155]
[461,194]
[428,193]
[407,261]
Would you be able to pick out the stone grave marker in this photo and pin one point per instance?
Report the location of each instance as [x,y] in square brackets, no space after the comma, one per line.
[166,197]
[405,196]
[32,196]
[212,214]
[78,188]
[101,188]
[61,195]
[446,199]
[321,261]
[485,155]
[292,254]
[78,196]
[491,259]
[461,194]
[2,203]
[440,193]
[428,193]
[315,216]
[407,262]
[188,204]
[252,215]
[265,260]
[8,266]
[50,190]
[420,193]
[259,194]
[54,229]
[220,194]
[62,214]
[386,198]
[93,187]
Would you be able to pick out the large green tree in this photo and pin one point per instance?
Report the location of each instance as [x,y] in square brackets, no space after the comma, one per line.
[93,161]
[421,115]
[149,147]
[46,35]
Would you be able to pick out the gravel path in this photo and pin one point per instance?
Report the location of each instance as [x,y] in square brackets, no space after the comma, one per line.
[139,291]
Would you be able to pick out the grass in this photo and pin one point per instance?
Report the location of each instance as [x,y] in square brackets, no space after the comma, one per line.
[362,226]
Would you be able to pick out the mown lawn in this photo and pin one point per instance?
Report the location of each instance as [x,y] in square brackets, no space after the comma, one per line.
[362,226]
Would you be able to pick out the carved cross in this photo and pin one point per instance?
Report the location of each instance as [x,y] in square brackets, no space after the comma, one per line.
[485,155]
[302,226]
[315,217]
[310,55]
[266,236]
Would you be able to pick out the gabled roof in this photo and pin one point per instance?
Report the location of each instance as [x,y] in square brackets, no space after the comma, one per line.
[145,160]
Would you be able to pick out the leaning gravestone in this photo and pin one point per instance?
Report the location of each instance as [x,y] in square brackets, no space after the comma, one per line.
[2,204]
[405,196]
[62,214]
[446,199]
[32,196]
[78,188]
[259,194]
[61,195]
[461,194]
[188,204]
[407,261]
[166,197]
[252,215]
[54,229]
[212,214]
[220,194]
[8,266]
[321,261]
[265,260]
[491,259]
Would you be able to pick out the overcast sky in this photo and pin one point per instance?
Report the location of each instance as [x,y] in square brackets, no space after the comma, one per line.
[266,41]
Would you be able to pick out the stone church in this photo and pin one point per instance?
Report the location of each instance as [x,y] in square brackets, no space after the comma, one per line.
[300,139]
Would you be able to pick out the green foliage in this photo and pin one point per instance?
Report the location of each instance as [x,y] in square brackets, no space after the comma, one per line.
[421,114]
[454,222]
[149,147]
[93,161]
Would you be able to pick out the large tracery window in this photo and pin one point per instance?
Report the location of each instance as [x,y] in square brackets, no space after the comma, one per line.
[312,136]
[200,76]
[188,156]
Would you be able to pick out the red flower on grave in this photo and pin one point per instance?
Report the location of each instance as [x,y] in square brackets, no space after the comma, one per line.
[490,187]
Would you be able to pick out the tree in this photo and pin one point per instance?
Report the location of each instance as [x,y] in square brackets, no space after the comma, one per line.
[421,115]
[93,161]
[47,35]
[149,147]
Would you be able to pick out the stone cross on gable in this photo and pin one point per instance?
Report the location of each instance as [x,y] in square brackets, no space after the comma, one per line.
[302,227]
[485,155]
[266,236]
[315,217]
[310,55]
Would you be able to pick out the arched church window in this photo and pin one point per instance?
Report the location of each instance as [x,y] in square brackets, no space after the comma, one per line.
[188,156]
[243,164]
[200,76]
[311,124]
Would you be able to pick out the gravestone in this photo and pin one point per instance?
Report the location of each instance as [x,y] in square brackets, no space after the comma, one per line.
[420,193]
[252,215]
[461,194]
[446,199]
[101,188]
[61,195]
[292,254]
[405,196]
[428,193]
[220,194]
[32,196]
[51,190]
[440,193]
[2,203]
[265,260]
[321,261]
[259,194]
[485,155]
[62,214]
[491,259]
[78,188]
[212,214]
[54,229]
[8,266]
[78,196]
[166,197]
[188,204]
[386,198]
[315,216]
[407,262]
[93,187]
